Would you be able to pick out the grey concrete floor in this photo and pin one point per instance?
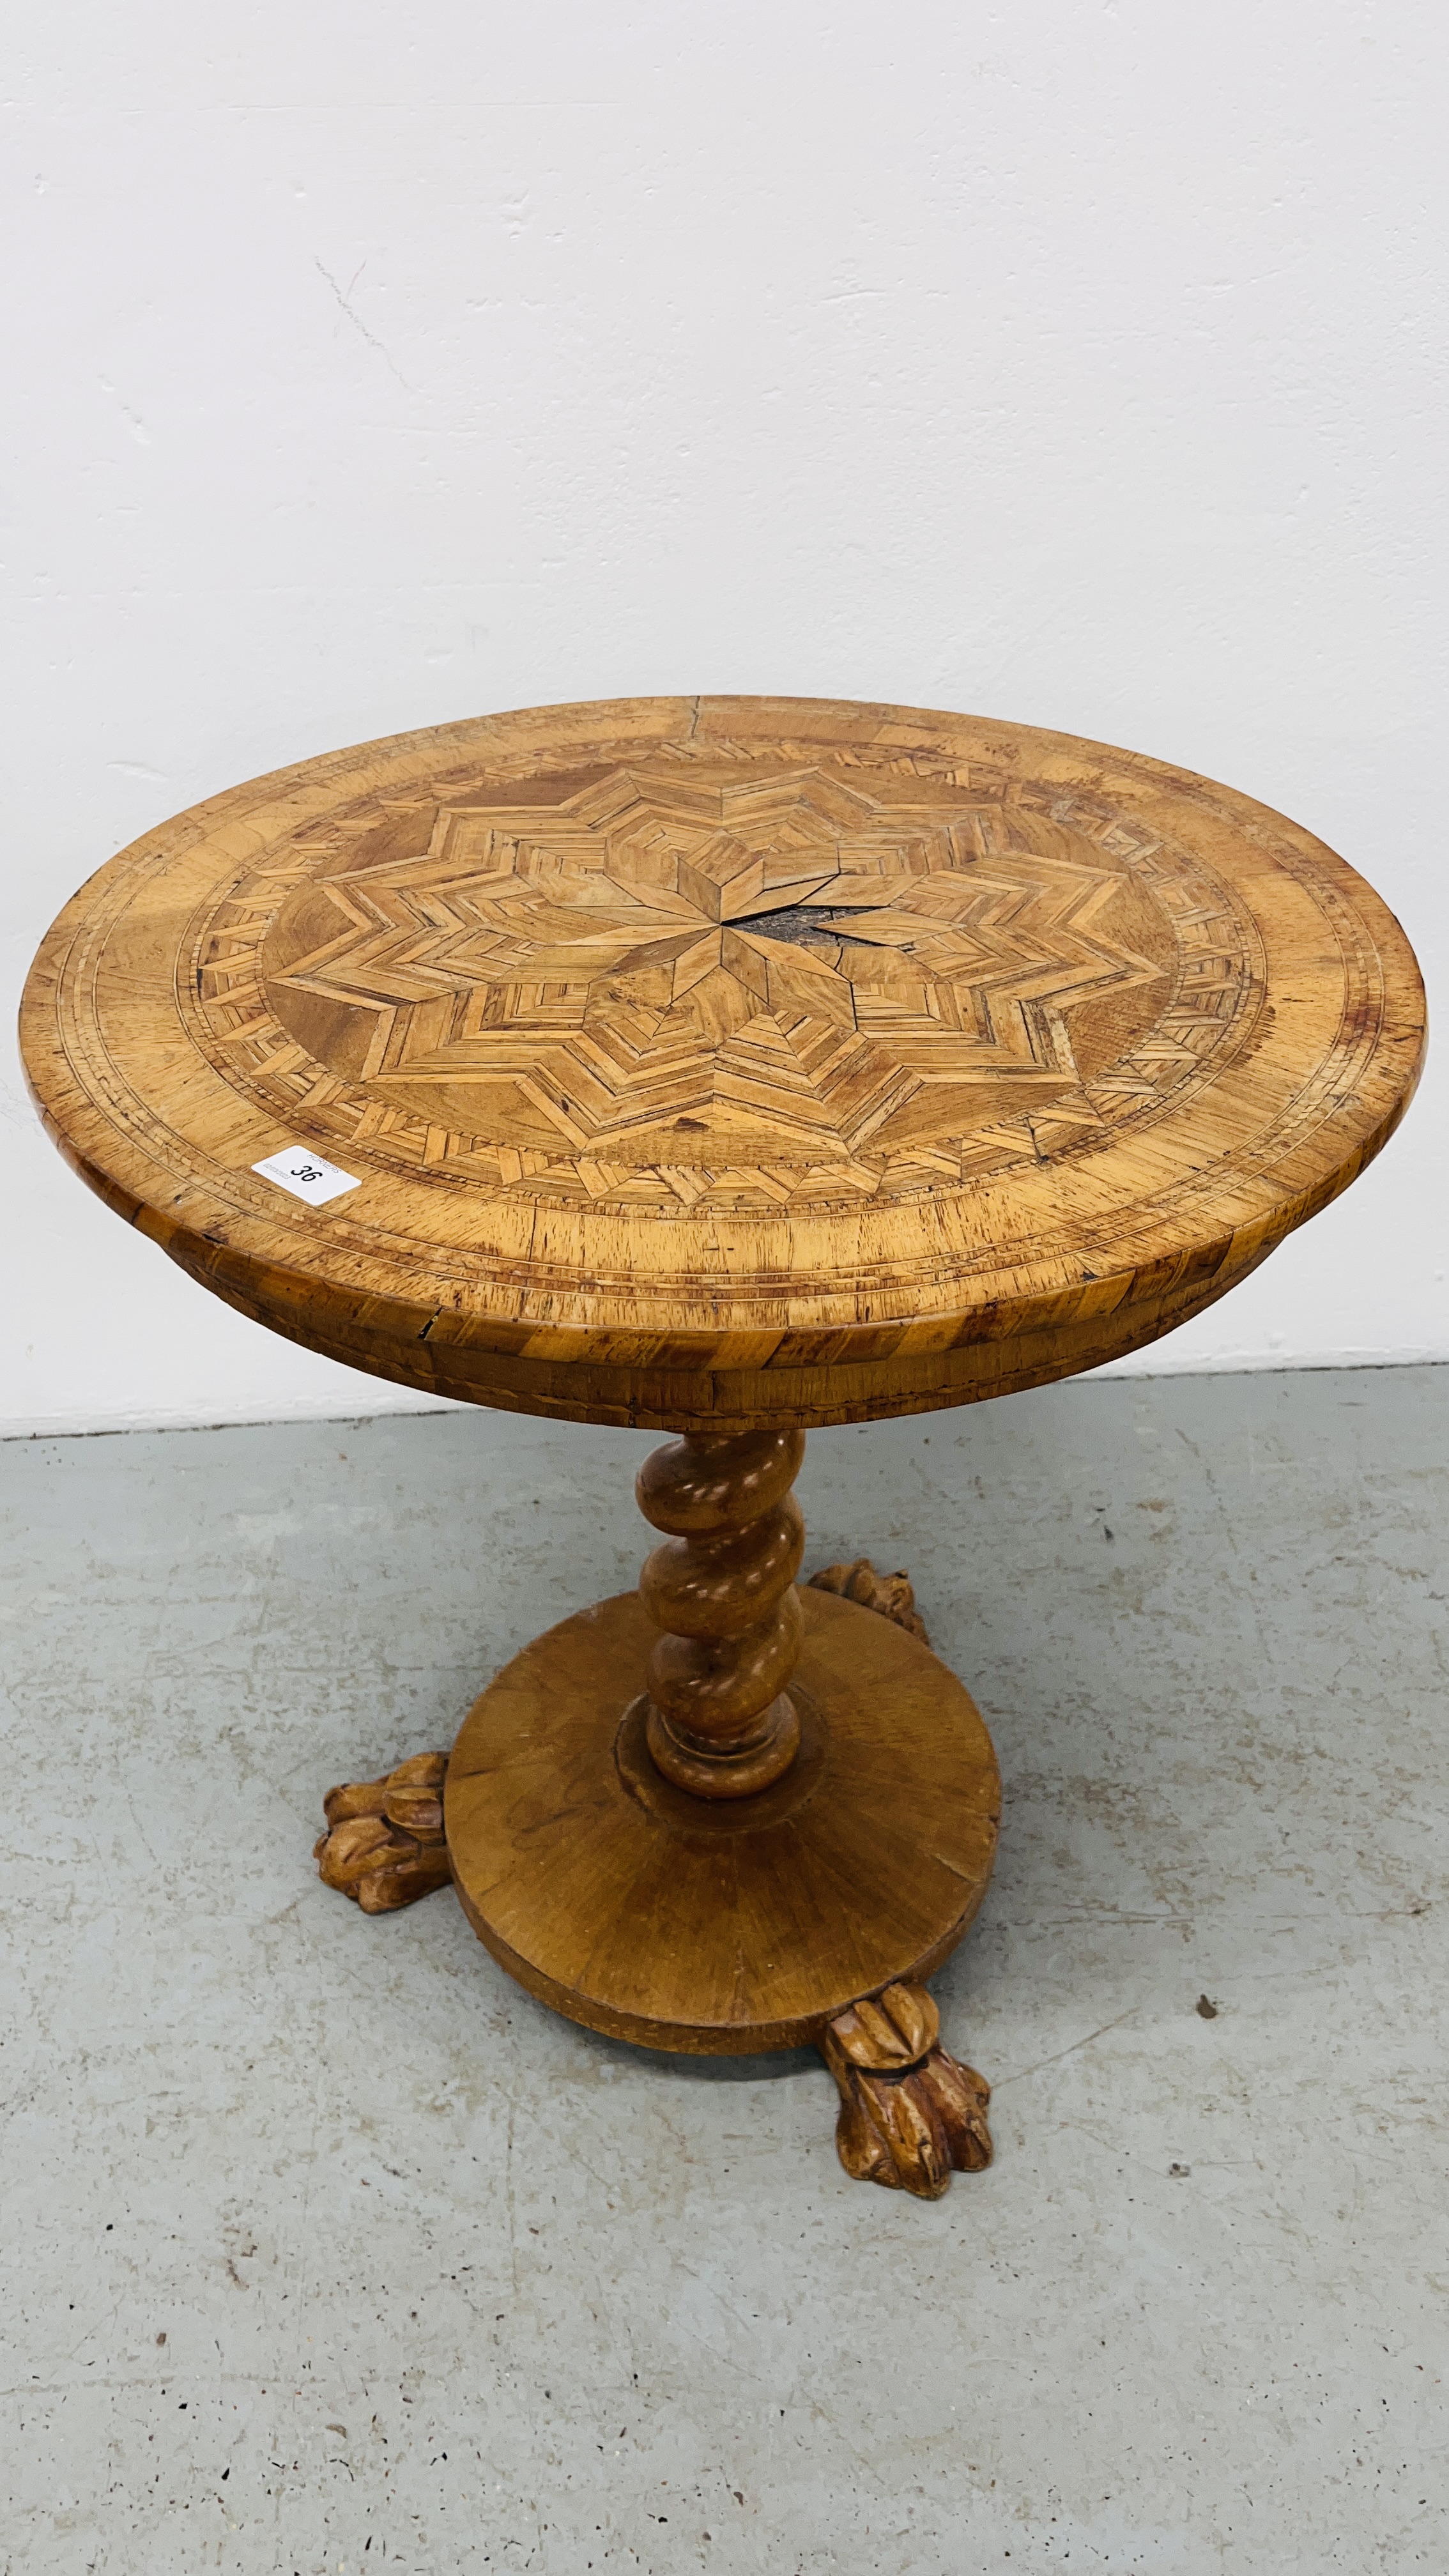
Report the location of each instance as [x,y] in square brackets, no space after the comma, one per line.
[327,2249]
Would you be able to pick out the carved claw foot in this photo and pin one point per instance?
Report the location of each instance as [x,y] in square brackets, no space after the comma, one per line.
[908,2112]
[890,1594]
[384,1843]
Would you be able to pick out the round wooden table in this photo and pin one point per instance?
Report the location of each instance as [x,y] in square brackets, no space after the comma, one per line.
[728,1066]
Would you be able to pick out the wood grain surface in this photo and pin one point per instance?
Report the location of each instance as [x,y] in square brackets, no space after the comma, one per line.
[725,1062]
[721,1926]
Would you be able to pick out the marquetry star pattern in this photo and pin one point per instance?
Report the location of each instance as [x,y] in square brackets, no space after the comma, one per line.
[688,969]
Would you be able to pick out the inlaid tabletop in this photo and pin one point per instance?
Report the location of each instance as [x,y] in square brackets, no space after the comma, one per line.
[723,1037]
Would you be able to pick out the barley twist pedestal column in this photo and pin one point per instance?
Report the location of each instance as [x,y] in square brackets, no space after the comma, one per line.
[720,1720]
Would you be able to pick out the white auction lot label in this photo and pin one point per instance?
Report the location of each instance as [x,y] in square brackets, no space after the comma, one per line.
[306,1175]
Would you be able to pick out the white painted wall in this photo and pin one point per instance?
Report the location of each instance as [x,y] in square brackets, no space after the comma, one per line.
[384,363]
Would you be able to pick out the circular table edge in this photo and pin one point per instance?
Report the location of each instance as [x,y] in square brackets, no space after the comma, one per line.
[677,1378]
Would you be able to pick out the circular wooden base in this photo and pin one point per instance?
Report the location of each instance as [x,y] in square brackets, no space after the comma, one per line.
[738,1924]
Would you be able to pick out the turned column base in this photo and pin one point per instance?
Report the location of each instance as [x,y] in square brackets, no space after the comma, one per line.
[721,1926]
[808,1911]
[707,1774]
